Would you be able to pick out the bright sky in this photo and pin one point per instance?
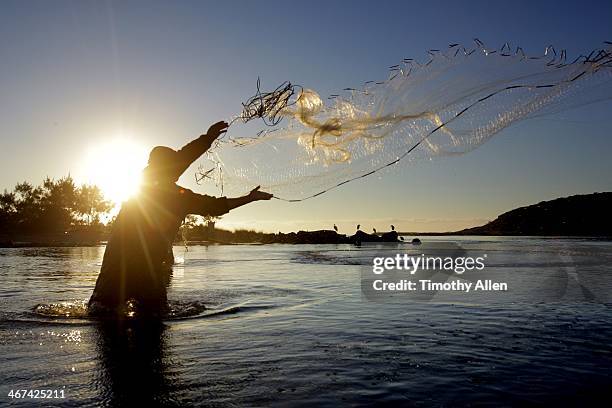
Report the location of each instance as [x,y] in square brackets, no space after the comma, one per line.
[78,75]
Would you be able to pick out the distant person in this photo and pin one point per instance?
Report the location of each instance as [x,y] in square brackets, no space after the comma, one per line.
[138,260]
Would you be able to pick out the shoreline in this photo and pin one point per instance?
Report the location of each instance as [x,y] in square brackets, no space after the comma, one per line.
[75,244]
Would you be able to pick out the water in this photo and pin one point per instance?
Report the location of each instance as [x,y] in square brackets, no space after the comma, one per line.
[288,325]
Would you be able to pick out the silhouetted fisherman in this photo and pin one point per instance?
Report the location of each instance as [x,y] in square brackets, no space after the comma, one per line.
[138,259]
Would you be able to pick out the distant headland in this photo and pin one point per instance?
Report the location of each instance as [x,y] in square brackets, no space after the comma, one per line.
[577,215]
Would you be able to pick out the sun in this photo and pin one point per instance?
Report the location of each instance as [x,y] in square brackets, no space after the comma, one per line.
[115,166]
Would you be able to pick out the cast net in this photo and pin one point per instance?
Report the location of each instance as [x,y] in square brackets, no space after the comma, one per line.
[449,105]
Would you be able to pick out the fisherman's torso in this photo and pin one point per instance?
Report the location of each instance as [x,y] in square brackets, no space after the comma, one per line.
[138,256]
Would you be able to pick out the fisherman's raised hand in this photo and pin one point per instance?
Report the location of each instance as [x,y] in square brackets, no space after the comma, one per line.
[256,195]
[217,130]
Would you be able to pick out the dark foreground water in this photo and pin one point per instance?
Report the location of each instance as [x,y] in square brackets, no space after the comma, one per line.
[289,325]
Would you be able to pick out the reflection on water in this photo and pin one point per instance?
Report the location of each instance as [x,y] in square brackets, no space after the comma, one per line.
[282,324]
[133,363]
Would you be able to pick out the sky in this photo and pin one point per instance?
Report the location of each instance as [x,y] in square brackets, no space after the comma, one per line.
[76,74]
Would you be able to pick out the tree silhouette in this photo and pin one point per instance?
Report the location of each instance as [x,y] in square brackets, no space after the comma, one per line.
[91,204]
[56,205]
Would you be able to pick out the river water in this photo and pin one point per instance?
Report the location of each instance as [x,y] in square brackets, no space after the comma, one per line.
[289,325]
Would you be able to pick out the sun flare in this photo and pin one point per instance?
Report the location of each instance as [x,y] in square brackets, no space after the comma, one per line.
[115,166]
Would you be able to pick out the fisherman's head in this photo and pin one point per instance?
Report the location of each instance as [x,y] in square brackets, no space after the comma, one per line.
[163,165]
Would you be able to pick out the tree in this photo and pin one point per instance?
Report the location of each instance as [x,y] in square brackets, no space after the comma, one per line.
[8,210]
[56,205]
[28,206]
[90,204]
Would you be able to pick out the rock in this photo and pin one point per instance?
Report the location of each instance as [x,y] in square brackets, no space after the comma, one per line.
[331,237]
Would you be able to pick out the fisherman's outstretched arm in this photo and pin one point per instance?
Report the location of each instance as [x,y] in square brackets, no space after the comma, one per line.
[254,195]
[194,149]
[215,206]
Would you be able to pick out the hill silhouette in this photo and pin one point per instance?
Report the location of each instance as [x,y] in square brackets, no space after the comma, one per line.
[578,215]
